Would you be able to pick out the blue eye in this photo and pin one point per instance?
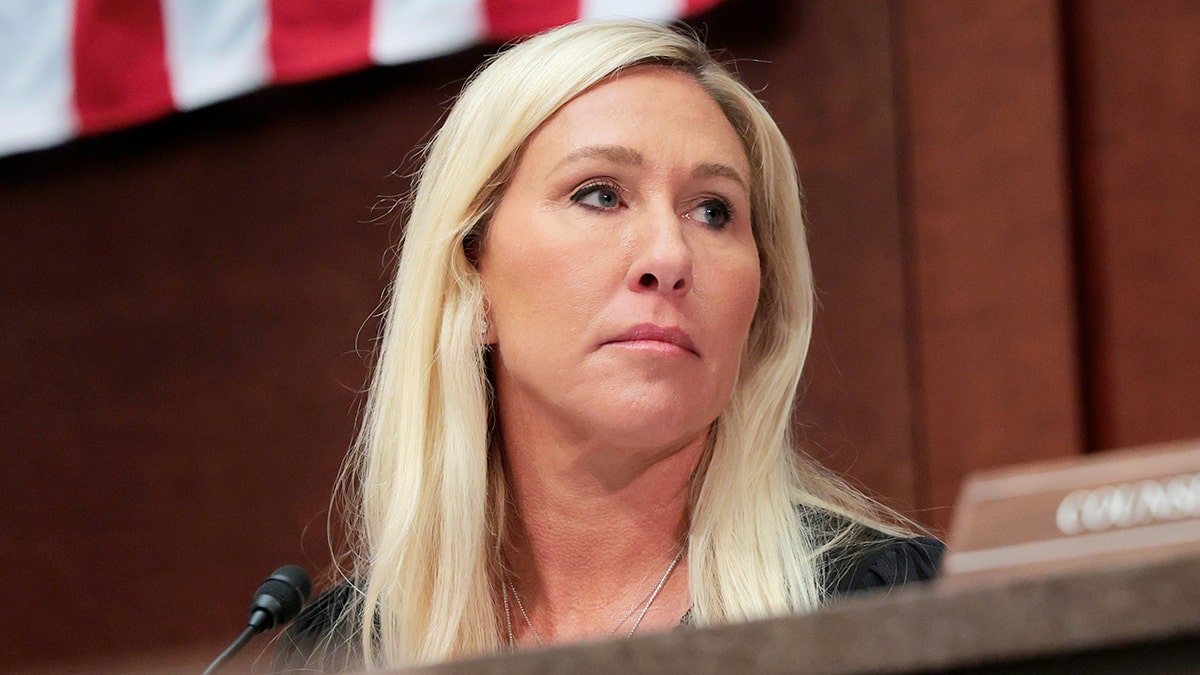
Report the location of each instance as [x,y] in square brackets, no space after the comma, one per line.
[714,213]
[600,196]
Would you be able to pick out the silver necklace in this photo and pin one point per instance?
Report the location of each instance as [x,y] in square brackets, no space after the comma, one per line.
[512,640]
[654,594]
[644,604]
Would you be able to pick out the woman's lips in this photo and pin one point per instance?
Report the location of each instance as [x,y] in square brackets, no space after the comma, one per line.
[654,337]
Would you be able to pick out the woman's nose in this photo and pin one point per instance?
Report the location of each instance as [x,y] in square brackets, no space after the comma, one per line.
[663,261]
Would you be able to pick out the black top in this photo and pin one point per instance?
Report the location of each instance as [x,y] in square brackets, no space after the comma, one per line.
[889,563]
[881,564]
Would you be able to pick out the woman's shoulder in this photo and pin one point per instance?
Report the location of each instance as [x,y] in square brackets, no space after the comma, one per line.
[857,557]
[881,561]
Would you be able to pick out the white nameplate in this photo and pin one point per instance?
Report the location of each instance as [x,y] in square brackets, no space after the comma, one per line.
[1092,509]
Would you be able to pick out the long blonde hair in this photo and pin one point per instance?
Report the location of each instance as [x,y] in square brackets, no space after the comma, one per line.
[429,490]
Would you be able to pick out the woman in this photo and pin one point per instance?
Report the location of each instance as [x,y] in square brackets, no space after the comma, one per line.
[579,424]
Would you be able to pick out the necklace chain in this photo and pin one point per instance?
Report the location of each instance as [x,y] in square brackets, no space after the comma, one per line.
[645,604]
[512,641]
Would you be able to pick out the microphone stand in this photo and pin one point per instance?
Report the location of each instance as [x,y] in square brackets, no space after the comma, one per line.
[231,650]
[277,601]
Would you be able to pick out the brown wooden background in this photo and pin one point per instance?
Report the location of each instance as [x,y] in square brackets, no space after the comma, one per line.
[1003,197]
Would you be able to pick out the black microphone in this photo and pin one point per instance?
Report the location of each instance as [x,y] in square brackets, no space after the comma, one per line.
[277,601]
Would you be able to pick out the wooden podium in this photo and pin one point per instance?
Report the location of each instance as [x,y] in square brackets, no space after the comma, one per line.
[1120,618]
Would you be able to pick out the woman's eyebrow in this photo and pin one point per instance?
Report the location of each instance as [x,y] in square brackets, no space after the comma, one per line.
[614,153]
[716,170]
[621,154]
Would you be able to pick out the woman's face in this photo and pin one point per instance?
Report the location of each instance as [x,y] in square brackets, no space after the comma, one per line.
[620,267]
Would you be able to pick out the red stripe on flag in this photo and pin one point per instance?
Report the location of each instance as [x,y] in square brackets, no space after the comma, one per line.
[120,63]
[312,38]
[507,19]
[691,7]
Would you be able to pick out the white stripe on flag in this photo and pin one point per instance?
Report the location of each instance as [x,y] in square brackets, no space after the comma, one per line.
[36,77]
[650,10]
[215,49]
[410,30]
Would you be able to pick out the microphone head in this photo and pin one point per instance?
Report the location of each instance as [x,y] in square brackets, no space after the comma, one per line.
[280,598]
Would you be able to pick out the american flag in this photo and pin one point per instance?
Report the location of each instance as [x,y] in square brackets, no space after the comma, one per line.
[75,67]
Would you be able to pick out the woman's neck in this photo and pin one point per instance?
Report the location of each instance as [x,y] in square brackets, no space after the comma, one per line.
[591,533]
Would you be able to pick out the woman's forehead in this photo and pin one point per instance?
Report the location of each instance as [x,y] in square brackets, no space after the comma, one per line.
[642,112]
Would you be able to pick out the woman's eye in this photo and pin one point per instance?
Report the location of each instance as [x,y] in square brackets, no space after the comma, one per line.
[598,196]
[713,213]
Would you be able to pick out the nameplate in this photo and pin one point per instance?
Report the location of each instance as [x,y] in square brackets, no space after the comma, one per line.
[1093,509]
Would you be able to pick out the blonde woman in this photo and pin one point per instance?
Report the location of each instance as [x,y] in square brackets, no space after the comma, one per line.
[579,426]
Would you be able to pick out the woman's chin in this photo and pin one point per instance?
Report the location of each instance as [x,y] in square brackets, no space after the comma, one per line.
[650,430]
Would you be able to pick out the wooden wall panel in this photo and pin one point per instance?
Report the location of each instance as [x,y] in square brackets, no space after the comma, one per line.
[1137,74]
[989,231]
[838,108]
[179,305]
